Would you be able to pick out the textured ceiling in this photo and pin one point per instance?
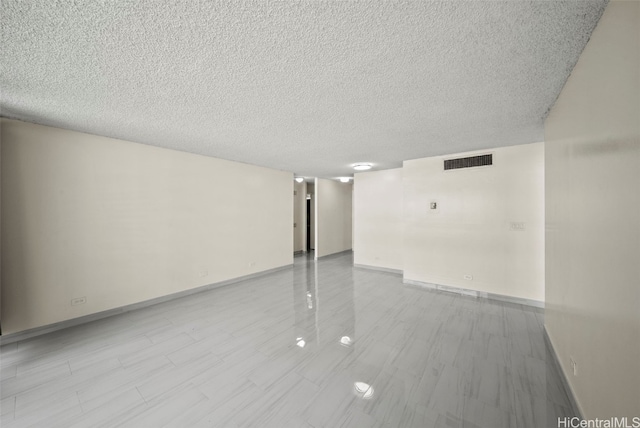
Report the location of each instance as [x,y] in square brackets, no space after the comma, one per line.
[307,87]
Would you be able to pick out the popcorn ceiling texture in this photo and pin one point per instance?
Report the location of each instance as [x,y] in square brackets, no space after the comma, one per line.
[307,87]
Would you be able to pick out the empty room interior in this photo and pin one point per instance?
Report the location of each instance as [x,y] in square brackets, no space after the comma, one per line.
[320,214]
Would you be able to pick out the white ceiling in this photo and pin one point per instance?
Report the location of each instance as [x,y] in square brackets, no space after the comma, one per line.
[304,86]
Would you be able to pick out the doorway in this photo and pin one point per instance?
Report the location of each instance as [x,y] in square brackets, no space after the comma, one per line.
[308,224]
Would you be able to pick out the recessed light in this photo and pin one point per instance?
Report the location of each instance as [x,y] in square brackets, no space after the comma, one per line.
[299,179]
[362,166]
[345,179]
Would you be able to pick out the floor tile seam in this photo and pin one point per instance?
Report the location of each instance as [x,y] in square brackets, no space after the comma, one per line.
[206,374]
[129,367]
[270,402]
[227,356]
[4,372]
[38,366]
[485,404]
[7,348]
[140,354]
[13,405]
[182,388]
[31,404]
[68,391]
[71,387]
[98,409]
[125,384]
[39,385]
[109,422]
[318,385]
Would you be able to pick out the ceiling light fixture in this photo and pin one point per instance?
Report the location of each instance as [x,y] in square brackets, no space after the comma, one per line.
[345,179]
[362,166]
[299,179]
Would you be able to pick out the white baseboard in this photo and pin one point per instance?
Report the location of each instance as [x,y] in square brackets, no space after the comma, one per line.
[476,293]
[563,376]
[378,268]
[37,331]
[338,254]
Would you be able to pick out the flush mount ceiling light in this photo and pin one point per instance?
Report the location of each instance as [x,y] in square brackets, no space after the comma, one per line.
[299,179]
[345,179]
[361,166]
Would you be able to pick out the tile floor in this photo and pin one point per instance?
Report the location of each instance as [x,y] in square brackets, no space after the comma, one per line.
[320,345]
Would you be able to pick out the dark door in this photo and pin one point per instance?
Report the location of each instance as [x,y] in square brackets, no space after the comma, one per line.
[308,225]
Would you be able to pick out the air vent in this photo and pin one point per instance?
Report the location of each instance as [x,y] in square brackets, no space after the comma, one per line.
[469,162]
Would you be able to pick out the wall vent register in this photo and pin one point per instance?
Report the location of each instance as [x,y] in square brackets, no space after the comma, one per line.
[470,162]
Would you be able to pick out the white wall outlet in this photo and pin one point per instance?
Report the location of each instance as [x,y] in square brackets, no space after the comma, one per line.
[252,264]
[468,277]
[78,301]
[574,366]
[519,226]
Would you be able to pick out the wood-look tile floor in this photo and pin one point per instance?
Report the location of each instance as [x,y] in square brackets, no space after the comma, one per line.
[320,345]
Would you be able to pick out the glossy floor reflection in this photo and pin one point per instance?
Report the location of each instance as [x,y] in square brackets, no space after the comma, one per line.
[319,345]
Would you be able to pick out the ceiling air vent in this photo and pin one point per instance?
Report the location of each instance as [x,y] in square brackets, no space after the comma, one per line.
[469,162]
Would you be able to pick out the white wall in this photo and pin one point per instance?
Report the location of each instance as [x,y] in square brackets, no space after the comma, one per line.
[333,216]
[119,223]
[378,229]
[300,216]
[593,219]
[470,231]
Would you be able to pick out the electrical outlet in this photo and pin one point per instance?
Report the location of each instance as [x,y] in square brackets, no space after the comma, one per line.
[252,264]
[519,226]
[468,277]
[203,273]
[574,366]
[78,301]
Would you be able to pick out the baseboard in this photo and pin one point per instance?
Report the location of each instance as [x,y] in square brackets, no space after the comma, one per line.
[577,410]
[476,293]
[38,331]
[378,268]
[338,254]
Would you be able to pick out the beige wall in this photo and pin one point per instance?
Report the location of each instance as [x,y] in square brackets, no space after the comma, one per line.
[119,223]
[593,219]
[470,232]
[378,229]
[300,216]
[333,216]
